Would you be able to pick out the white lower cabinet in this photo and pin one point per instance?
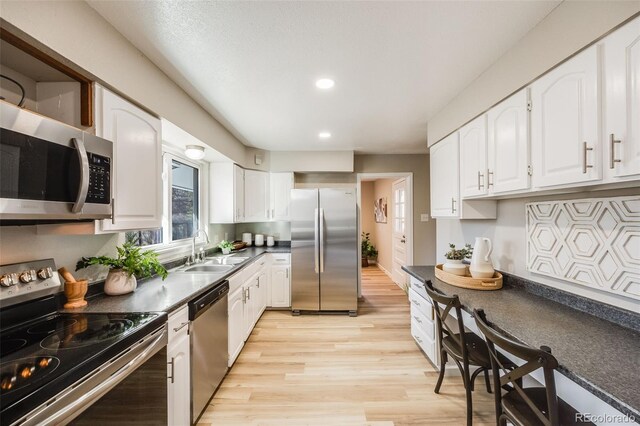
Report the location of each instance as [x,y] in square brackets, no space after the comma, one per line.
[179,369]
[279,294]
[423,324]
[236,324]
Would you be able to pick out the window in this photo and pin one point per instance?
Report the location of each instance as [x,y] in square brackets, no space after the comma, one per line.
[182,206]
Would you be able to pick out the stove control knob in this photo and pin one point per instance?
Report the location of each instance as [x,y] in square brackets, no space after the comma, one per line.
[45,273]
[28,276]
[8,280]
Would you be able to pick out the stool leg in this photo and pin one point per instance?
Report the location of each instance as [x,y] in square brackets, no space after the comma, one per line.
[486,380]
[467,388]
[443,361]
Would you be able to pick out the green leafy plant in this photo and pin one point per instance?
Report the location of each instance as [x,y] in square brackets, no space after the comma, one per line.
[368,249]
[459,254]
[131,259]
[224,244]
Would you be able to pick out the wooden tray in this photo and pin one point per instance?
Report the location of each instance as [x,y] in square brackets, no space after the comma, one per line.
[494,283]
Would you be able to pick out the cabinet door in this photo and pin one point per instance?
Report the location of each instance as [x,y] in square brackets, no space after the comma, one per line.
[280,287]
[238,193]
[249,307]
[179,379]
[262,289]
[564,123]
[473,158]
[444,177]
[137,170]
[281,186]
[256,196]
[508,161]
[622,91]
[236,324]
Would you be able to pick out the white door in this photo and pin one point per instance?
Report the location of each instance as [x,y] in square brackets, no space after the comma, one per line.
[622,91]
[238,190]
[256,196]
[137,170]
[508,162]
[248,315]
[281,186]
[179,386]
[279,287]
[444,163]
[236,324]
[564,123]
[473,158]
[399,218]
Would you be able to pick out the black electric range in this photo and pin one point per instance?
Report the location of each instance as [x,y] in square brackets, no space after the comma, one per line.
[43,352]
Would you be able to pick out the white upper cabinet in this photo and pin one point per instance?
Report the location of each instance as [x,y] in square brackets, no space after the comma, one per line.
[281,186]
[257,204]
[444,177]
[137,171]
[473,158]
[622,101]
[227,193]
[508,145]
[564,123]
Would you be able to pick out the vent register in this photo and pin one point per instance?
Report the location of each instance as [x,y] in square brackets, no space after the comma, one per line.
[591,242]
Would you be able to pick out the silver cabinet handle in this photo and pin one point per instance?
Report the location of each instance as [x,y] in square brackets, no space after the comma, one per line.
[244,296]
[113,211]
[585,149]
[480,180]
[489,176]
[84,176]
[417,319]
[248,293]
[172,364]
[180,327]
[258,282]
[453,205]
[273,213]
[287,272]
[417,338]
[417,304]
[612,151]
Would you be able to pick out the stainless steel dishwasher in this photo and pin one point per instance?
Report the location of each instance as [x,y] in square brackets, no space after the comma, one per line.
[209,350]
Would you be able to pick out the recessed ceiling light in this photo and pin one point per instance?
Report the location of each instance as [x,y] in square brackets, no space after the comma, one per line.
[194,152]
[325,83]
[324,135]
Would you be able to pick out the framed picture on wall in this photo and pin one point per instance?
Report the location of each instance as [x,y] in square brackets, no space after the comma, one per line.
[380,210]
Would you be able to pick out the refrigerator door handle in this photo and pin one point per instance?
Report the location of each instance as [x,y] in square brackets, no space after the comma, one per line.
[315,240]
[321,240]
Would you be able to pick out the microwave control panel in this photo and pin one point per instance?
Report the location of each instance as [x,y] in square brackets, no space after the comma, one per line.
[99,179]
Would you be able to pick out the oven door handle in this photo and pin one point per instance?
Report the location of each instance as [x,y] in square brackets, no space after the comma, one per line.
[84,175]
[99,386]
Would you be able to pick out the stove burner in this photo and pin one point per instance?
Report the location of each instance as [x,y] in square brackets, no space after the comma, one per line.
[25,371]
[11,345]
[86,333]
[50,325]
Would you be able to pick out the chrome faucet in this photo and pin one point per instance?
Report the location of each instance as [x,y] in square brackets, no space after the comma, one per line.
[193,258]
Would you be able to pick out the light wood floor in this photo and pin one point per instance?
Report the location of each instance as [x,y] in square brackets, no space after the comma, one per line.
[337,370]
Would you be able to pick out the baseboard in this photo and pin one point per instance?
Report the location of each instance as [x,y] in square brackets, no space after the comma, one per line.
[383,269]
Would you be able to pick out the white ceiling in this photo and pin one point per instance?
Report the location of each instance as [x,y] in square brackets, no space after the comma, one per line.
[253,65]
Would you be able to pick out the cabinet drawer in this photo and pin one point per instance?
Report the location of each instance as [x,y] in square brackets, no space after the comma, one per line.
[178,321]
[281,258]
[418,287]
[421,304]
[423,321]
[427,344]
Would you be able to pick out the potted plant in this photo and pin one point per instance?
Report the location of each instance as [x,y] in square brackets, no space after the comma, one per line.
[454,256]
[225,246]
[368,250]
[130,263]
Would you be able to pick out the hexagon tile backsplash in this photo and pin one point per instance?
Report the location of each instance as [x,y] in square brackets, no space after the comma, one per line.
[594,242]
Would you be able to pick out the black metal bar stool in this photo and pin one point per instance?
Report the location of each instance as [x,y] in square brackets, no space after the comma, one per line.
[465,348]
[519,405]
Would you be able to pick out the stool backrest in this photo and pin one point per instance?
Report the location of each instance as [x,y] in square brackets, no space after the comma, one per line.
[446,330]
[510,378]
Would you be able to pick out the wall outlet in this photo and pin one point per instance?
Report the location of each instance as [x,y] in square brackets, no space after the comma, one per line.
[424,217]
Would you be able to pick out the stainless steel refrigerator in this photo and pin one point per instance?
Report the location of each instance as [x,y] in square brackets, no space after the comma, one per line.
[324,250]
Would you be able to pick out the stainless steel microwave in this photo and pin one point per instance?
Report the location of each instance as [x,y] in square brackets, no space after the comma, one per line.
[50,171]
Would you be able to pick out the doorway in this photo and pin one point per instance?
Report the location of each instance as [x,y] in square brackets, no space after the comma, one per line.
[385,212]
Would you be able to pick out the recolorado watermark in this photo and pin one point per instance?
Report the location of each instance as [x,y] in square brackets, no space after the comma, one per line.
[604,418]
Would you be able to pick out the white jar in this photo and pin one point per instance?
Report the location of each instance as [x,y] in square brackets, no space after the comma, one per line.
[270,241]
[259,240]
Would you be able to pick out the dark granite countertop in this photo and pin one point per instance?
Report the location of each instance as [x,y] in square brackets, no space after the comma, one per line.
[155,295]
[600,356]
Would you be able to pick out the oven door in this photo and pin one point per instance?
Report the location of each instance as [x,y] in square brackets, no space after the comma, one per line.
[50,171]
[130,388]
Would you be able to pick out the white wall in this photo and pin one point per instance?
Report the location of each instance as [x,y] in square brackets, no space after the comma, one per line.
[568,28]
[73,30]
[508,234]
[311,161]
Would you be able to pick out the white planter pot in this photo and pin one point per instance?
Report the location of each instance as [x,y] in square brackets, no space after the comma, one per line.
[455,267]
[226,250]
[119,282]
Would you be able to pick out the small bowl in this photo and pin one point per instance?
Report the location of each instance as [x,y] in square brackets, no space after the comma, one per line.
[75,291]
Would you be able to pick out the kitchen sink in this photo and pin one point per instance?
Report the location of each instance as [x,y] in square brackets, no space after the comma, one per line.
[225,260]
[208,268]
